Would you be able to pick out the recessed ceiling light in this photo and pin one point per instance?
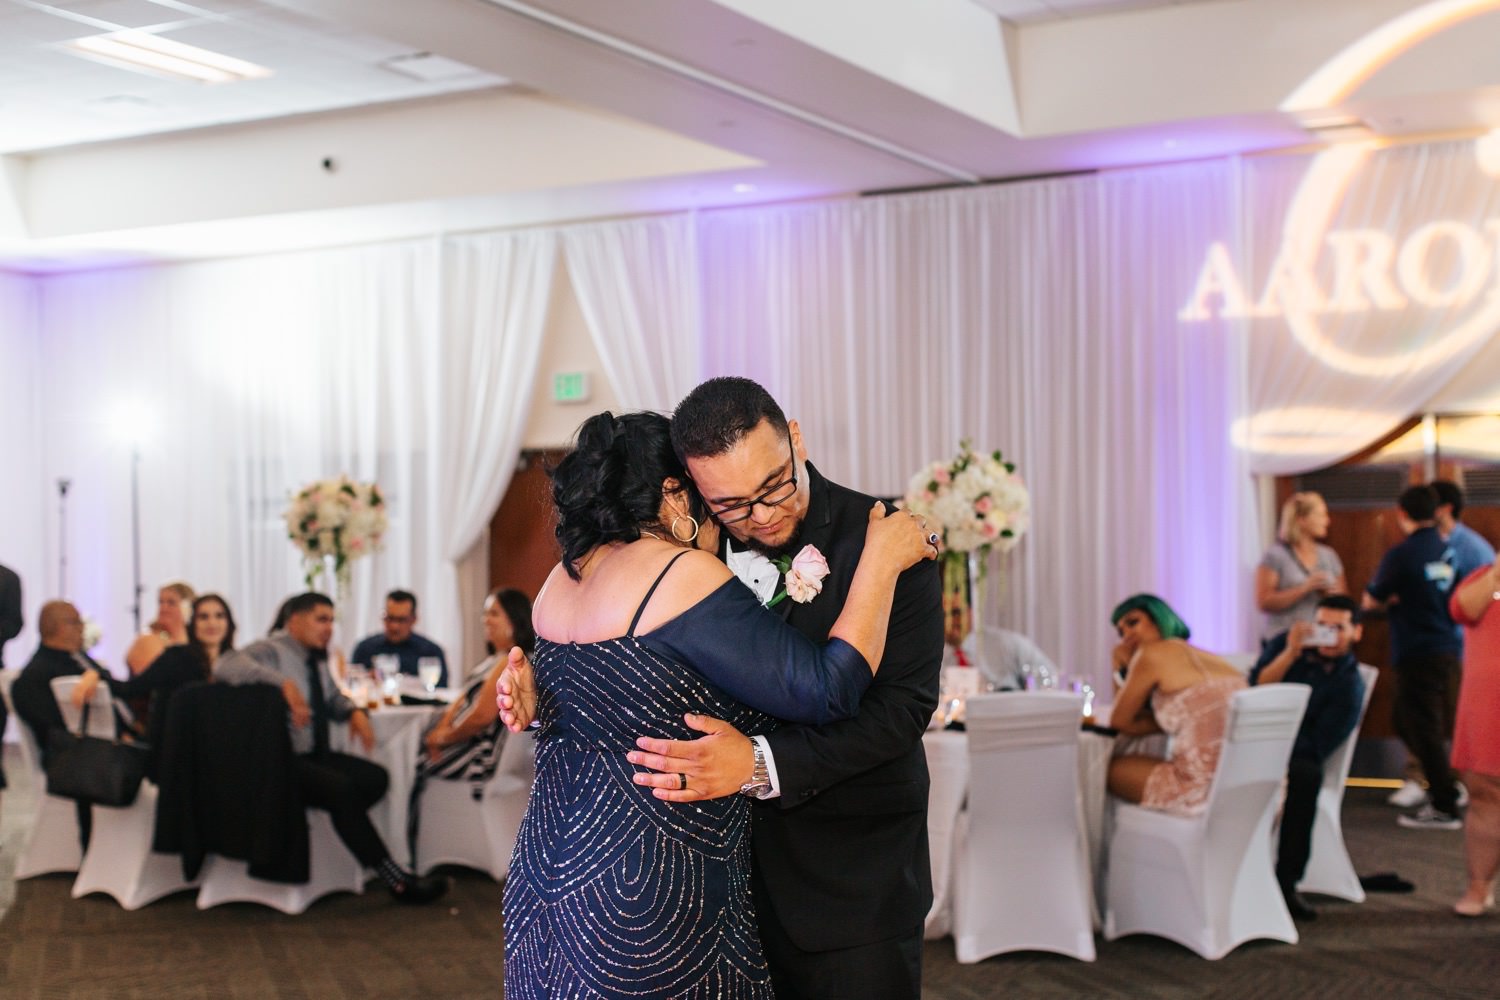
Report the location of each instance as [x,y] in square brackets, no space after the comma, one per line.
[144,52]
[429,68]
[1334,126]
[743,188]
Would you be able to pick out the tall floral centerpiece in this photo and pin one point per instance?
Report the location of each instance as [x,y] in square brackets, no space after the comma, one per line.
[333,522]
[980,505]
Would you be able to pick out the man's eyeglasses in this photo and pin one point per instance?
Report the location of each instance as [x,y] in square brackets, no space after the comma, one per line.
[397,619]
[773,497]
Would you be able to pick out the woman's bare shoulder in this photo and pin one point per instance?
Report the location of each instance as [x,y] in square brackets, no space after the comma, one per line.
[693,576]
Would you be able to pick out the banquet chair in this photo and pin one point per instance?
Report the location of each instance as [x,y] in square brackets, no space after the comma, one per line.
[120,862]
[1023,874]
[231,802]
[1207,881]
[457,829]
[52,843]
[331,869]
[1329,870]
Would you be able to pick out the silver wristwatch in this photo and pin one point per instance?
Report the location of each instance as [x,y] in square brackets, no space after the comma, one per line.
[759,785]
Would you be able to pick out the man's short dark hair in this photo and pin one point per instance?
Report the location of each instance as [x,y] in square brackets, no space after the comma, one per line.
[1450,493]
[306,602]
[1342,602]
[403,597]
[1419,503]
[712,418]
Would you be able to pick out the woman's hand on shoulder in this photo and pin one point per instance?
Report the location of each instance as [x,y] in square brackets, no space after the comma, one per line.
[902,538]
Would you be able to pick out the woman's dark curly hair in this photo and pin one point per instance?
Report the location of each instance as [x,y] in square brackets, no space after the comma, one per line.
[609,488]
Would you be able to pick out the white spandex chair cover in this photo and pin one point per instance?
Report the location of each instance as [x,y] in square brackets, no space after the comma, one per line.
[52,843]
[1207,881]
[1329,870]
[1240,661]
[330,865]
[1022,876]
[120,862]
[458,830]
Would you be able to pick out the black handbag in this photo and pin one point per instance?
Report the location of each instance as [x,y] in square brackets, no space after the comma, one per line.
[94,770]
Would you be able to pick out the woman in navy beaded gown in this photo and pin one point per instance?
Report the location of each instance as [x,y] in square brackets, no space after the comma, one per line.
[612,892]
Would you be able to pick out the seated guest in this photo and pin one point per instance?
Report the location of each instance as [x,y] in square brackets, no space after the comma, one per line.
[59,655]
[10,627]
[1007,657]
[1332,671]
[210,634]
[296,661]
[168,629]
[399,639]
[1174,688]
[465,742]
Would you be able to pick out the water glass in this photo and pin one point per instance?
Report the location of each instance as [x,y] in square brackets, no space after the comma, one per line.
[430,670]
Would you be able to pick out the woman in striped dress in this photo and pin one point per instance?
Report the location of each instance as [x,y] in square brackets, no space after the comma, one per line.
[464,743]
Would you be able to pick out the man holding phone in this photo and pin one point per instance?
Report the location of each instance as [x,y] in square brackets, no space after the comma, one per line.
[1319,654]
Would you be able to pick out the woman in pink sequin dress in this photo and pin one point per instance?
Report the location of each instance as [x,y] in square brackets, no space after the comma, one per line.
[1174,688]
[1476,738]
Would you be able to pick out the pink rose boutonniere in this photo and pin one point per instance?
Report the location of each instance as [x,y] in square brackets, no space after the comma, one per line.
[804,575]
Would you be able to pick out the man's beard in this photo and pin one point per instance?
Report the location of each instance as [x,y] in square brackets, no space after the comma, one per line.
[772,551]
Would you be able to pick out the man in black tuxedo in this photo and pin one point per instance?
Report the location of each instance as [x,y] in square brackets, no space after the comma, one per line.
[842,877]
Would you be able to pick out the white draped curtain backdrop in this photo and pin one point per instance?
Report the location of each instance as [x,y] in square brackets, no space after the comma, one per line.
[637,286]
[252,377]
[1141,343]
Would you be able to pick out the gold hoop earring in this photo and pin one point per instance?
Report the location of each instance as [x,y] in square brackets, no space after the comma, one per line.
[690,520]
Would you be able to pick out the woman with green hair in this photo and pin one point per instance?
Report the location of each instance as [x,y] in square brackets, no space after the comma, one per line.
[1169,687]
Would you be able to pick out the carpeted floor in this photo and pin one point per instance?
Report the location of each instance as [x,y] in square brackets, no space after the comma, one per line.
[365,947]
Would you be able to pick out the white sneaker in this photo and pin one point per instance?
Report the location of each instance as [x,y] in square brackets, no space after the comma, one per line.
[1408,796]
[1428,818]
[1463,795]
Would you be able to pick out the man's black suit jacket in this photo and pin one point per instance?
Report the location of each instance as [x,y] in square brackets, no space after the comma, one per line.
[842,854]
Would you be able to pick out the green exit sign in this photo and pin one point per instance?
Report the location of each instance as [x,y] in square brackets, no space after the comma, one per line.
[570,387]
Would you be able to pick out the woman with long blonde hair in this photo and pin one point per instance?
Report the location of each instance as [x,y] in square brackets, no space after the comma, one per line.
[1298,569]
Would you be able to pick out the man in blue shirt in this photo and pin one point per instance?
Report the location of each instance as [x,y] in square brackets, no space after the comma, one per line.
[1470,552]
[1333,708]
[1470,549]
[1413,583]
[400,638]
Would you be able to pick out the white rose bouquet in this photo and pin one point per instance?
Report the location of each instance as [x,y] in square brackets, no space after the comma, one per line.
[977,501]
[335,517]
[979,504]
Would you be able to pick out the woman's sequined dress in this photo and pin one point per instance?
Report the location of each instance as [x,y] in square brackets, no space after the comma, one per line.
[613,892]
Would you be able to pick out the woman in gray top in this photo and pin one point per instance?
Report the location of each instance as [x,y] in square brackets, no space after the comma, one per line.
[1297,570]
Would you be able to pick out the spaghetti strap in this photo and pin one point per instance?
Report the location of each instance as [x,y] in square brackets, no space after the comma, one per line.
[647,599]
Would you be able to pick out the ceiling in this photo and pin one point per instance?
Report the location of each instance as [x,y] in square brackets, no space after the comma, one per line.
[384,119]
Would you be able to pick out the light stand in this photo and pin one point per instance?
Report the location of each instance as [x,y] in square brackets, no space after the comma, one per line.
[135,534]
[62,537]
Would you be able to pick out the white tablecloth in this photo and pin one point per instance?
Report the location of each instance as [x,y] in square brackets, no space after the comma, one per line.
[398,739]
